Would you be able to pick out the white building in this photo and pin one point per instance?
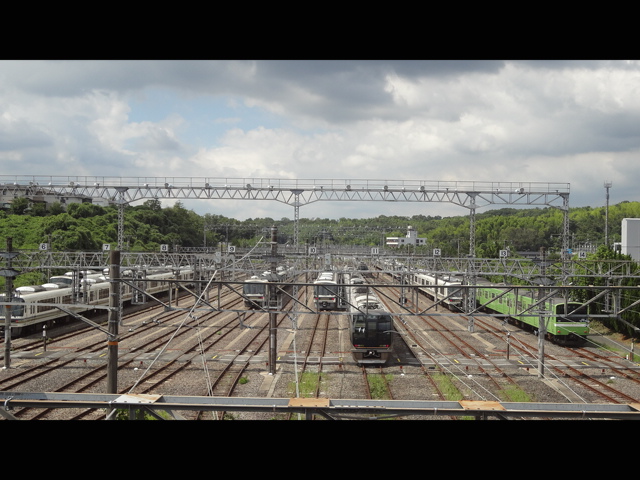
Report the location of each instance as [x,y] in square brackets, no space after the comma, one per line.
[410,239]
[44,195]
[630,244]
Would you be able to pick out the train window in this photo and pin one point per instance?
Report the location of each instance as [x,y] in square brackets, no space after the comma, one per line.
[253,288]
[577,311]
[45,308]
[384,324]
[326,290]
[16,310]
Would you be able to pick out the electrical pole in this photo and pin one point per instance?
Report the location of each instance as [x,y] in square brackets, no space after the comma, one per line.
[542,322]
[272,297]
[114,312]
[607,186]
[8,273]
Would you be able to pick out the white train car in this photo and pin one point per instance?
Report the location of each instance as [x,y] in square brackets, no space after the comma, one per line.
[440,288]
[256,292]
[37,304]
[328,291]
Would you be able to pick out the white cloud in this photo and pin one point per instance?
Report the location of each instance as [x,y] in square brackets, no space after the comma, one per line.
[573,122]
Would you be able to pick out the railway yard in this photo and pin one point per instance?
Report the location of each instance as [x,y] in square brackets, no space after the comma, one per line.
[209,352]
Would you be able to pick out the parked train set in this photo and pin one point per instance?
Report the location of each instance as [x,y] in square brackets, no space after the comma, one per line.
[567,322]
[257,291]
[328,291]
[37,303]
[370,323]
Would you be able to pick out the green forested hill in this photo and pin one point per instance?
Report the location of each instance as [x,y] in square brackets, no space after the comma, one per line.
[87,227]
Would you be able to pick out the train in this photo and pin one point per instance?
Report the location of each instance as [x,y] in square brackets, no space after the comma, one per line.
[440,288]
[81,292]
[370,324]
[567,321]
[328,291]
[257,293]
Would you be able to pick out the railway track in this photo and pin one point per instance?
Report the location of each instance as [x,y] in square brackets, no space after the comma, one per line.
[147,336]
[499,377]
[218,349]
[603,390]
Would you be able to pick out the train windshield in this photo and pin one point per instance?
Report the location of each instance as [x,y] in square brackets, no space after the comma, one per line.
[371,330]
[16,310]
[324,290]
[577,312]
[253,289]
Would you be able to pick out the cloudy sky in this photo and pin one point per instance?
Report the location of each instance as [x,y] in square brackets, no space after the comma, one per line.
[575,122]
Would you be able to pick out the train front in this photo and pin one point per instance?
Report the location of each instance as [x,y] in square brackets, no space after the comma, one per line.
[371,336]
[572,327]
[254,292]
[326,295]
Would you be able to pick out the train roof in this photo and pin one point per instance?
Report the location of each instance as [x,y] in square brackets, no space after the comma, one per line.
[31,289]
[256,279]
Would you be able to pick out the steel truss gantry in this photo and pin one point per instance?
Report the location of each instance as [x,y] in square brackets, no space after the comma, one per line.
[122,191]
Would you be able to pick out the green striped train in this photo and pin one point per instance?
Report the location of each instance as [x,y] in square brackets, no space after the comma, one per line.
[567,321]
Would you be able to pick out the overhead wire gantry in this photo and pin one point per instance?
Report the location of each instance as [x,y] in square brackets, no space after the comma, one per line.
[122,191]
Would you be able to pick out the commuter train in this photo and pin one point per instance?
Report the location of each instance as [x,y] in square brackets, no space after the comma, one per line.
[37,303]
[256,291]
[567,321]
[328,291]
[440,288]
[370,323]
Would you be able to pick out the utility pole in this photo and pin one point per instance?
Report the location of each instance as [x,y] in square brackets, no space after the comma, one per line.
[607,186]
[8,273]
[272,297]
[542,322]
[114,311]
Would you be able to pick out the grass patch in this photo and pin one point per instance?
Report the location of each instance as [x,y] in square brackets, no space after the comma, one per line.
[307,385]
[378,386]
[513,393]
[448,389]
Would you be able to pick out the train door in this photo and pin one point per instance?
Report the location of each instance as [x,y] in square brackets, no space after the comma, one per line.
[138,297]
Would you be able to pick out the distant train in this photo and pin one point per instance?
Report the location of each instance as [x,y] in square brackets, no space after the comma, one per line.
[371,325]
[364,270]
[567,321]
[328,291]
[37,303]
[257,293]
[439,288]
